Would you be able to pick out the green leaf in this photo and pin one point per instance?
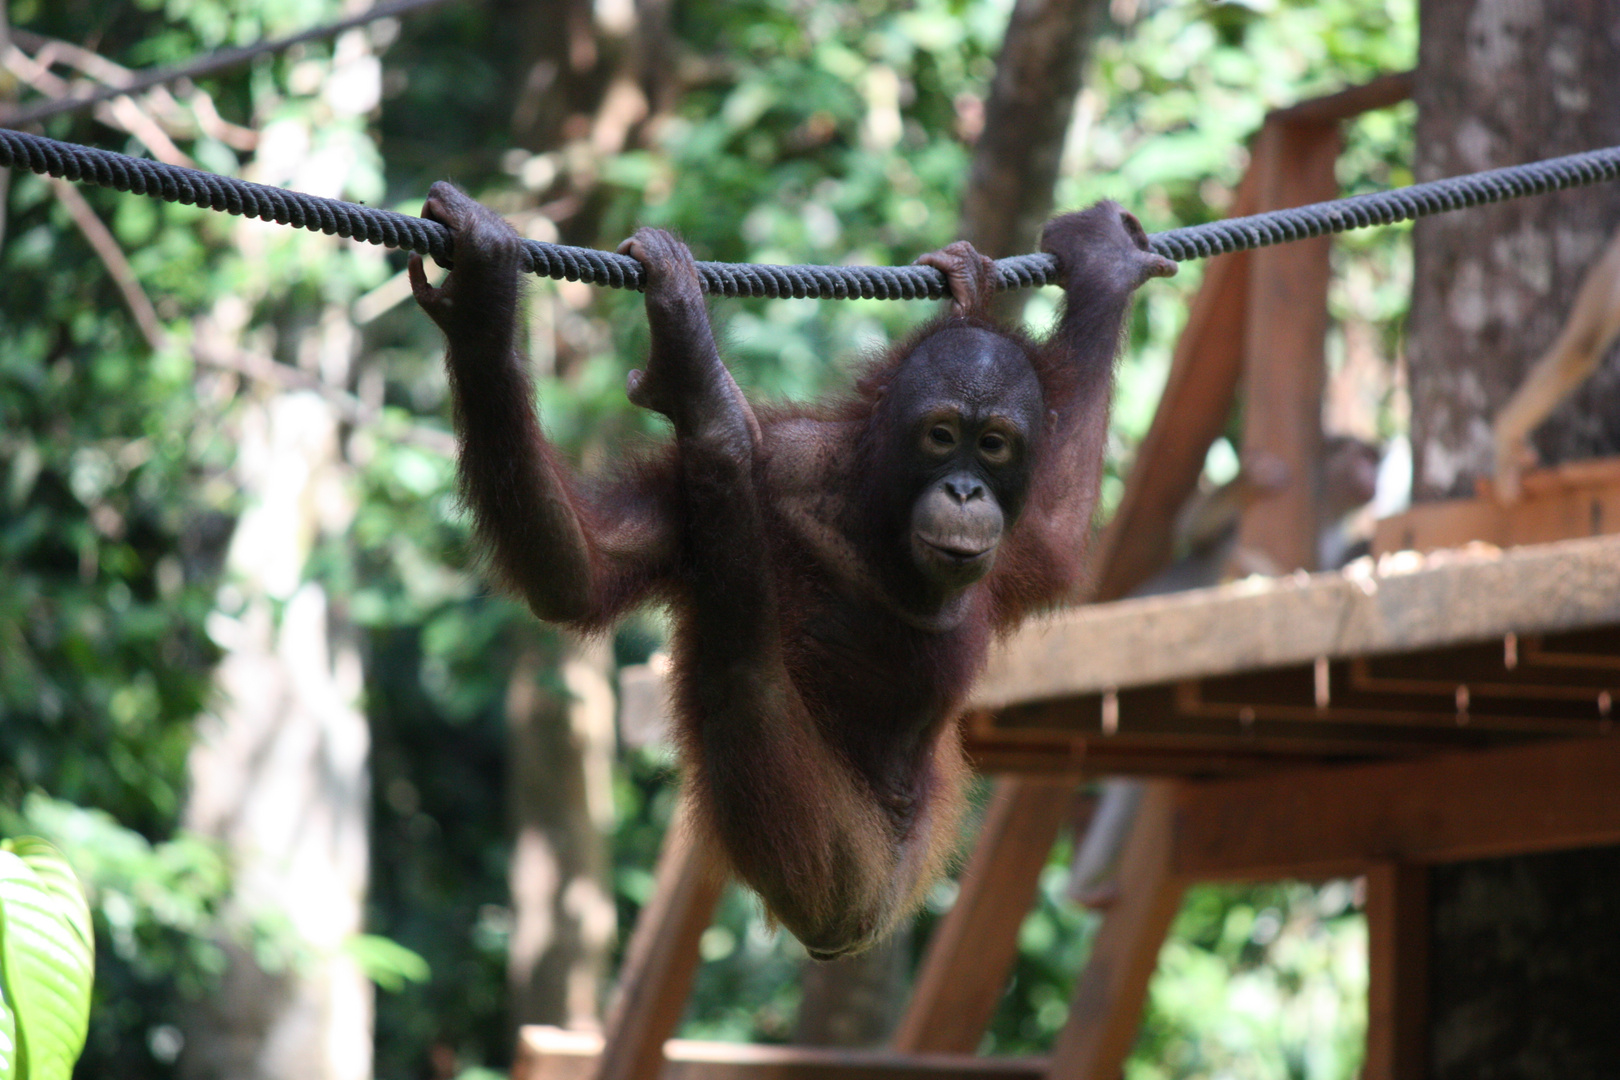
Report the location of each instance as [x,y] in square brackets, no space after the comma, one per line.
[57,876]
[47,957]
[8,1039]
[386,962]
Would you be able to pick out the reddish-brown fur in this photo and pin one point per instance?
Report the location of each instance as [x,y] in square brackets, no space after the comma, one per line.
[815,698]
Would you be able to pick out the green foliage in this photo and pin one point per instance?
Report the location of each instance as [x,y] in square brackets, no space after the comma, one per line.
[387,963]
[9,1048]
[158,907]
[1259,981]
[439,848]
[113,519]
[103,467]
[1171,100]
[117,503]
[831,137]
[47,961]
[480,1073]
[1053,945]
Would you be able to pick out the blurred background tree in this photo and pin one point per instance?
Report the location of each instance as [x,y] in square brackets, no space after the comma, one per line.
[178,374]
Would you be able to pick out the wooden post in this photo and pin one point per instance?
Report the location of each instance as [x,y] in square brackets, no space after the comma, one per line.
[973,948]
[1197,398]
[1107,1005]
[663,955]
[1397,972]
[1283,359]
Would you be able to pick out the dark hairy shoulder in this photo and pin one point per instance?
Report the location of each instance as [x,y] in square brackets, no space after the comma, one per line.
[805,451]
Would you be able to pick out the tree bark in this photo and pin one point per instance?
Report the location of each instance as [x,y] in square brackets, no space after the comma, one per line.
[590,75]
[1523,954]
[1501,82]
[560,751]
[279,775]
[1026,119]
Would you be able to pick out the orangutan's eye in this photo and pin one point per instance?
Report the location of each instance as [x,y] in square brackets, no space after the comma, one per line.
[996,448]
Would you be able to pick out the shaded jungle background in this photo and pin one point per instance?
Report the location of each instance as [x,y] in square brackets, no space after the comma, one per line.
[226,494]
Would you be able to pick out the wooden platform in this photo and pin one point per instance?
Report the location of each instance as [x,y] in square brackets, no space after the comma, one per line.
[546,1053]
[1405,656]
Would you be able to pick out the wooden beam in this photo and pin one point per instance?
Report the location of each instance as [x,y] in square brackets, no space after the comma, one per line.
[1108,998]
[972,951]
[1581,498]
[1089,760]
[1379,93]
[656,976]
[1397,972]
[1334,820]
[1399,604]
[550,1054]
[1286,323]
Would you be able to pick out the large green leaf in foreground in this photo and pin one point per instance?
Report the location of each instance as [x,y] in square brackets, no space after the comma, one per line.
[8,1039]
[47,960]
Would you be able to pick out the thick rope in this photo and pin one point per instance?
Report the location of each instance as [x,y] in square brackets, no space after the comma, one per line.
[335,217]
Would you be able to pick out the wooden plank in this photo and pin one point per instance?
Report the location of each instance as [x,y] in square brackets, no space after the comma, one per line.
[1192,412]
[1322,821]
[550,1054]
[972,951]
[1108,998]
[1528,665]
[1086,763]
[1284,343]
[656,976]
[1586,473]
[1574,500]
[1397,972]
[1177,716]
[1290,742]
[1401,603]
[1574,651]
[1089,760]
[1438,703]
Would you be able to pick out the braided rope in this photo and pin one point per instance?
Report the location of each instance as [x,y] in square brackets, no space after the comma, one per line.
[335,217]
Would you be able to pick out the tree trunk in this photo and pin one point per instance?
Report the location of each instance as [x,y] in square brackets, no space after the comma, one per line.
[590,74]
[1026,122]
[1524,959]
[1502,82]
[279,775]
[1026,119]
[560,794]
